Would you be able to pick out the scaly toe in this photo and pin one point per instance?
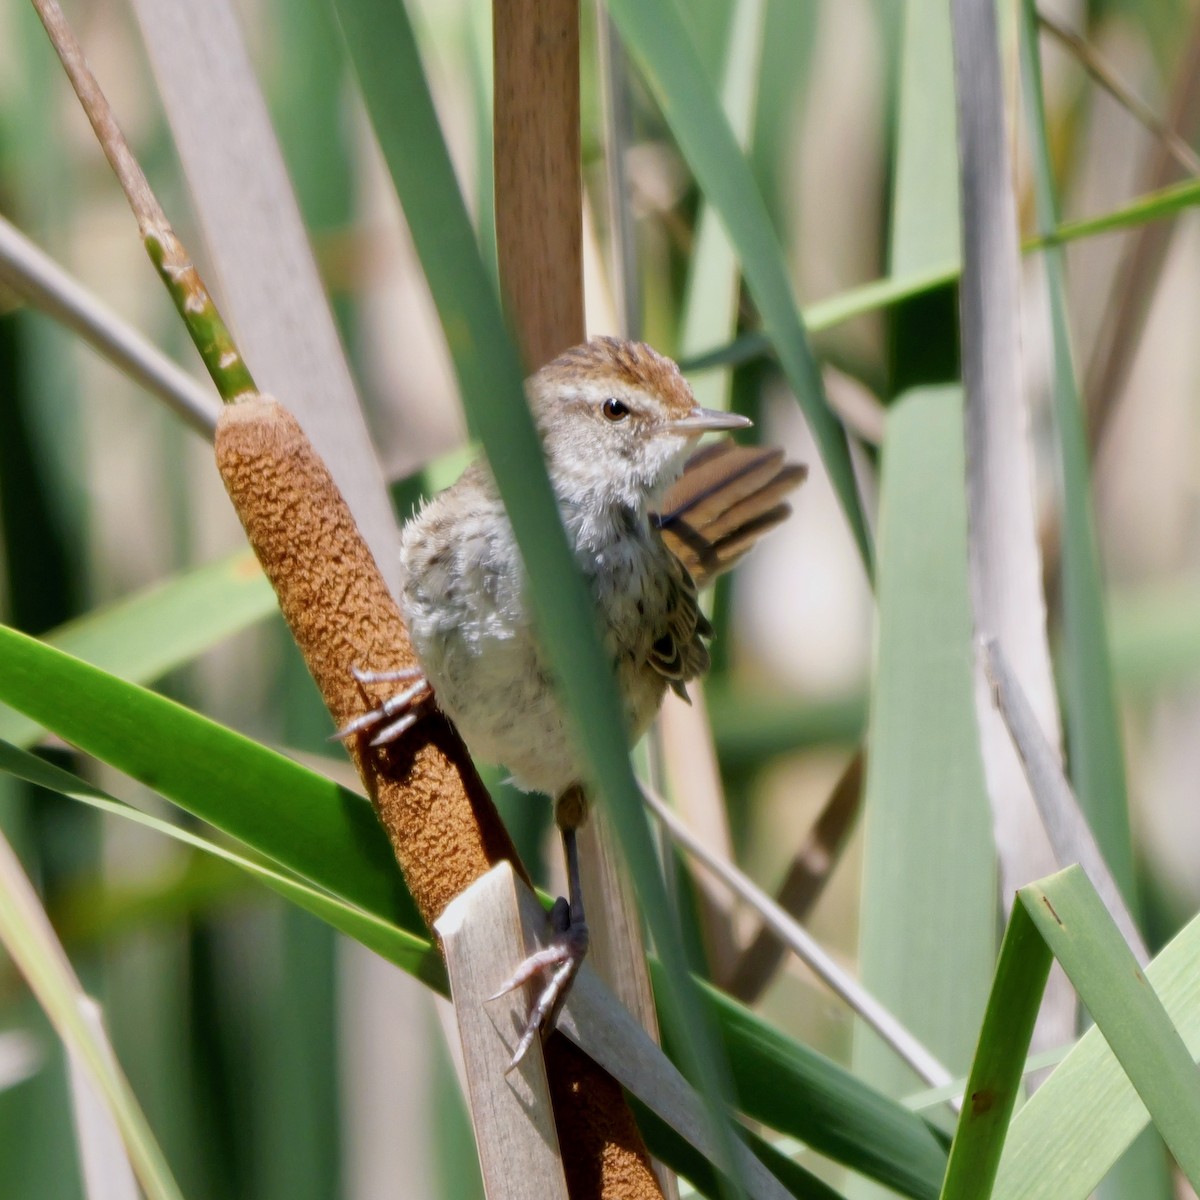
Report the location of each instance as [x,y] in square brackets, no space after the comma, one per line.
[408,704]
[559,963]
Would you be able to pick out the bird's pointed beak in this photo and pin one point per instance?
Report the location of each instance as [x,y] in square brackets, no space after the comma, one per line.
[708,420]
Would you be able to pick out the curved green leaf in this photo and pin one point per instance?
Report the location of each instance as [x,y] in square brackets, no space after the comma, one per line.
[409,952]
[1079,1122]
[146,635]
[285,811]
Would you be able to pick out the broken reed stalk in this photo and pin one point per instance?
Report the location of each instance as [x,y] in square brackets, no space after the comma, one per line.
[440,820]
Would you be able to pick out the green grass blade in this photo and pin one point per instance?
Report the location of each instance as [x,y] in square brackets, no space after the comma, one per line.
[26,933]
[895,289]
[1154,206]
[1083,1118]
[660,44]
[1128,1012]
[144,636]
[411,953]
[710,301]
[927,824]
[290,814]
[995,1080]
[393,83]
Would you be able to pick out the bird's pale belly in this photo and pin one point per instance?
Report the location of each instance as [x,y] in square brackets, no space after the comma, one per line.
[490,679]
[503,702]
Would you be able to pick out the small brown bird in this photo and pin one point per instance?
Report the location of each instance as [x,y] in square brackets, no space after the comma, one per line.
[648,525]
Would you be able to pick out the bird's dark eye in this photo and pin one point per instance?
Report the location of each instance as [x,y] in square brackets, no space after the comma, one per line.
[615,410]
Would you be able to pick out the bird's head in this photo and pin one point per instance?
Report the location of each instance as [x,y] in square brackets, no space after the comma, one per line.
[618,420]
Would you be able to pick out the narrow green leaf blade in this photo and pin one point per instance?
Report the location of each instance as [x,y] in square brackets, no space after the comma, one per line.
[1083,1118]
[797,1091]
[280,809]
[905,285]
[384,53]
[410,953]
[1154,206]
[995,1080]
[660,43]
[146,635]
[1128,1012]
[1093,731]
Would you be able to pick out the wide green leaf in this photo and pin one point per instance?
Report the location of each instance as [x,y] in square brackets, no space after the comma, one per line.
[410,952]
[285,811]
[928,829]
[144,636]
[1127,1010]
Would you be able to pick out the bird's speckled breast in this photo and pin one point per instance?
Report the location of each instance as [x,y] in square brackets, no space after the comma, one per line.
[462,600]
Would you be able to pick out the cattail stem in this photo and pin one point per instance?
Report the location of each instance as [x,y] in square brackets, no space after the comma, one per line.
[208,331]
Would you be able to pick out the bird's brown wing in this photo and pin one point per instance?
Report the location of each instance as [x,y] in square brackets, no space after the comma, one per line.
[680,652]
[726,499]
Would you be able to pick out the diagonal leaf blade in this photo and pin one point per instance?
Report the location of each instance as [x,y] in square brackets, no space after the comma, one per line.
[995,1080]
[144,636]
[1076,926]
[411,953]
[274,806]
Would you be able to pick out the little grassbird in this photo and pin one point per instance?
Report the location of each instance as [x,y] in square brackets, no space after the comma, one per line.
[648,524]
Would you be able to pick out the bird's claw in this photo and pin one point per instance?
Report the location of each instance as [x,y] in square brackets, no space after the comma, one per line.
[559,962]
[397,713]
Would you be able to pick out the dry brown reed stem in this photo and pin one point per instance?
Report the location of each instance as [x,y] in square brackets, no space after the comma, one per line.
[441,822]
[539,197]
[539,241]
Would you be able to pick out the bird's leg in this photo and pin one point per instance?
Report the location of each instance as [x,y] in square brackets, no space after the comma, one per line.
[567,944]
[408,704]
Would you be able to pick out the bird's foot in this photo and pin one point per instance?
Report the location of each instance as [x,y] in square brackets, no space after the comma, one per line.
[557,963]
[397,713]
